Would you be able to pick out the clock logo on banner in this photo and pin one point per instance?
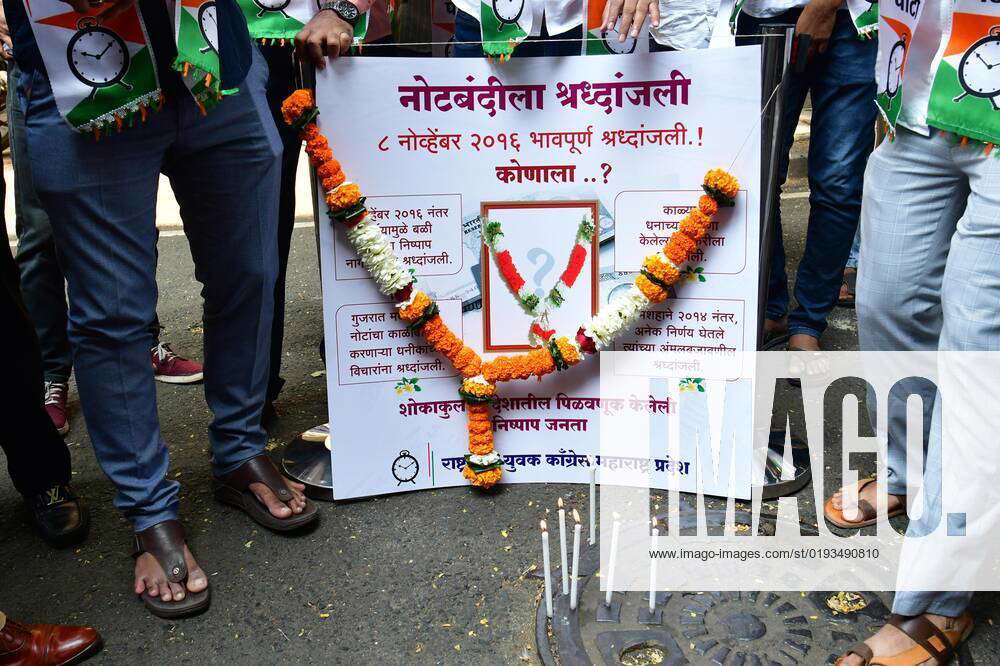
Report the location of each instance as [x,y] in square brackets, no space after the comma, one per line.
[610,38]
[508,11]
[897,58]
[97,56]
[209,26]
[979,69]
[405,468]
[272,6]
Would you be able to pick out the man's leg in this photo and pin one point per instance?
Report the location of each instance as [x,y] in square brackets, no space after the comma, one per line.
[100,196]
[37,457]
[280,84]
[224,172]
[43,286]
[843,132]
[468,36]
[793,92]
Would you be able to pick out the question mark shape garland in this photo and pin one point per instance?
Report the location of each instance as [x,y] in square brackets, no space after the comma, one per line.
[538,308]
[478,390]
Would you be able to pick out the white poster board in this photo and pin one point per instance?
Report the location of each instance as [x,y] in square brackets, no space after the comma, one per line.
[536,143]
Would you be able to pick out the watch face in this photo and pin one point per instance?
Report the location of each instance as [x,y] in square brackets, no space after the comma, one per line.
[979,69]
[209,26]
[347,11]
[508,11]
[271,5]
[405,467]
[97,56]
[610,38]
[895,68]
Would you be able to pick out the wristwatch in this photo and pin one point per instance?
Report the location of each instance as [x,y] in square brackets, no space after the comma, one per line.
[344,9]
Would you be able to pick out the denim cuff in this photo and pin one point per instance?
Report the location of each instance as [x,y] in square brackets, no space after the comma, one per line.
[948,604]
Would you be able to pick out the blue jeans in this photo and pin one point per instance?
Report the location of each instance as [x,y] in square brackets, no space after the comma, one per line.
[852,260]
[842,87]
[101,200]
[43,286]
[467,30]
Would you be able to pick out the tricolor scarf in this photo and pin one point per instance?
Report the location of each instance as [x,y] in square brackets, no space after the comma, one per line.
[601,41]
[965,93]
[864,13]
[280,20]
[504,25]
[103,74]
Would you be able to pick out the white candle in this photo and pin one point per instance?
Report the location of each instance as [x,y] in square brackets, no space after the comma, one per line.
[576,559]
[546,565]
[593,503]
[615,526]
[563,558]
[652,568]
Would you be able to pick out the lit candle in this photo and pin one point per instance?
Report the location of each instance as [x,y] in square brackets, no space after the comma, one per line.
[546,565]
[615,526]
[652,568]
[576,558]
[563,559]
[593,503]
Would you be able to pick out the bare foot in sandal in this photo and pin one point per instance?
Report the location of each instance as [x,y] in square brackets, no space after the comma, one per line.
[280,509]
[905,641]
[150,578]
[259,490]
[868,493]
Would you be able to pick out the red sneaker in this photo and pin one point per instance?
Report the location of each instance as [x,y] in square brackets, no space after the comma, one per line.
[173,369]
[55,405]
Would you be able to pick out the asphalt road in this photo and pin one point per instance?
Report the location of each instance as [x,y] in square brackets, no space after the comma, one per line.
[428,577]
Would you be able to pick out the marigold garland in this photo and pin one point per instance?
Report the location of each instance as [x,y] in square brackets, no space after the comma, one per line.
[484,466]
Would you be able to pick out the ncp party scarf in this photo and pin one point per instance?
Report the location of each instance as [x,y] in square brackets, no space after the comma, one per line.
[281,20]
[601,41]
[504,25]
[103,74]
[864,13]
[965,93]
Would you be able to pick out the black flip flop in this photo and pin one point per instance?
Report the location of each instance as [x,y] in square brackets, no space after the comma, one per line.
[234,489]
[851,282]
[165,541]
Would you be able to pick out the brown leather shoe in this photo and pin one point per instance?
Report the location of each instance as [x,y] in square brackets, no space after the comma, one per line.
[46,644]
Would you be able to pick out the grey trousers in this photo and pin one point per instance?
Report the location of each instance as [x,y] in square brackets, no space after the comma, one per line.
[929,279]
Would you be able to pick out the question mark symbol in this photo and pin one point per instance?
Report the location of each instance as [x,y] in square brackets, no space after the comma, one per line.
[547,260]
[607,170]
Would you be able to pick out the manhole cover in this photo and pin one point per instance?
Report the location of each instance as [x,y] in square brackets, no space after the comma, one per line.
[711,628]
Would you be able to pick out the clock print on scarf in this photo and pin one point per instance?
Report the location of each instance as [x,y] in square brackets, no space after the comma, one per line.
[103,73]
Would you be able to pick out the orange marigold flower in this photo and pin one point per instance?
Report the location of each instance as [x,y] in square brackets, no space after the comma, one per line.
[478,388]
[309,132]
[481,445]
[661,270]
[487,479]
[651,291]
[333,182]
[679,247]
[328,169]
[410,313]
[320,156]
[717,179]
[343,197]
[691,226]
[295,104]
[707,205]
[316,144]
[568,351]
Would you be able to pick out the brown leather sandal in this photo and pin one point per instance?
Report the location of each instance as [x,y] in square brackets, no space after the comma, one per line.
[165,541]
[234,489]
[869,516]
[931,642]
